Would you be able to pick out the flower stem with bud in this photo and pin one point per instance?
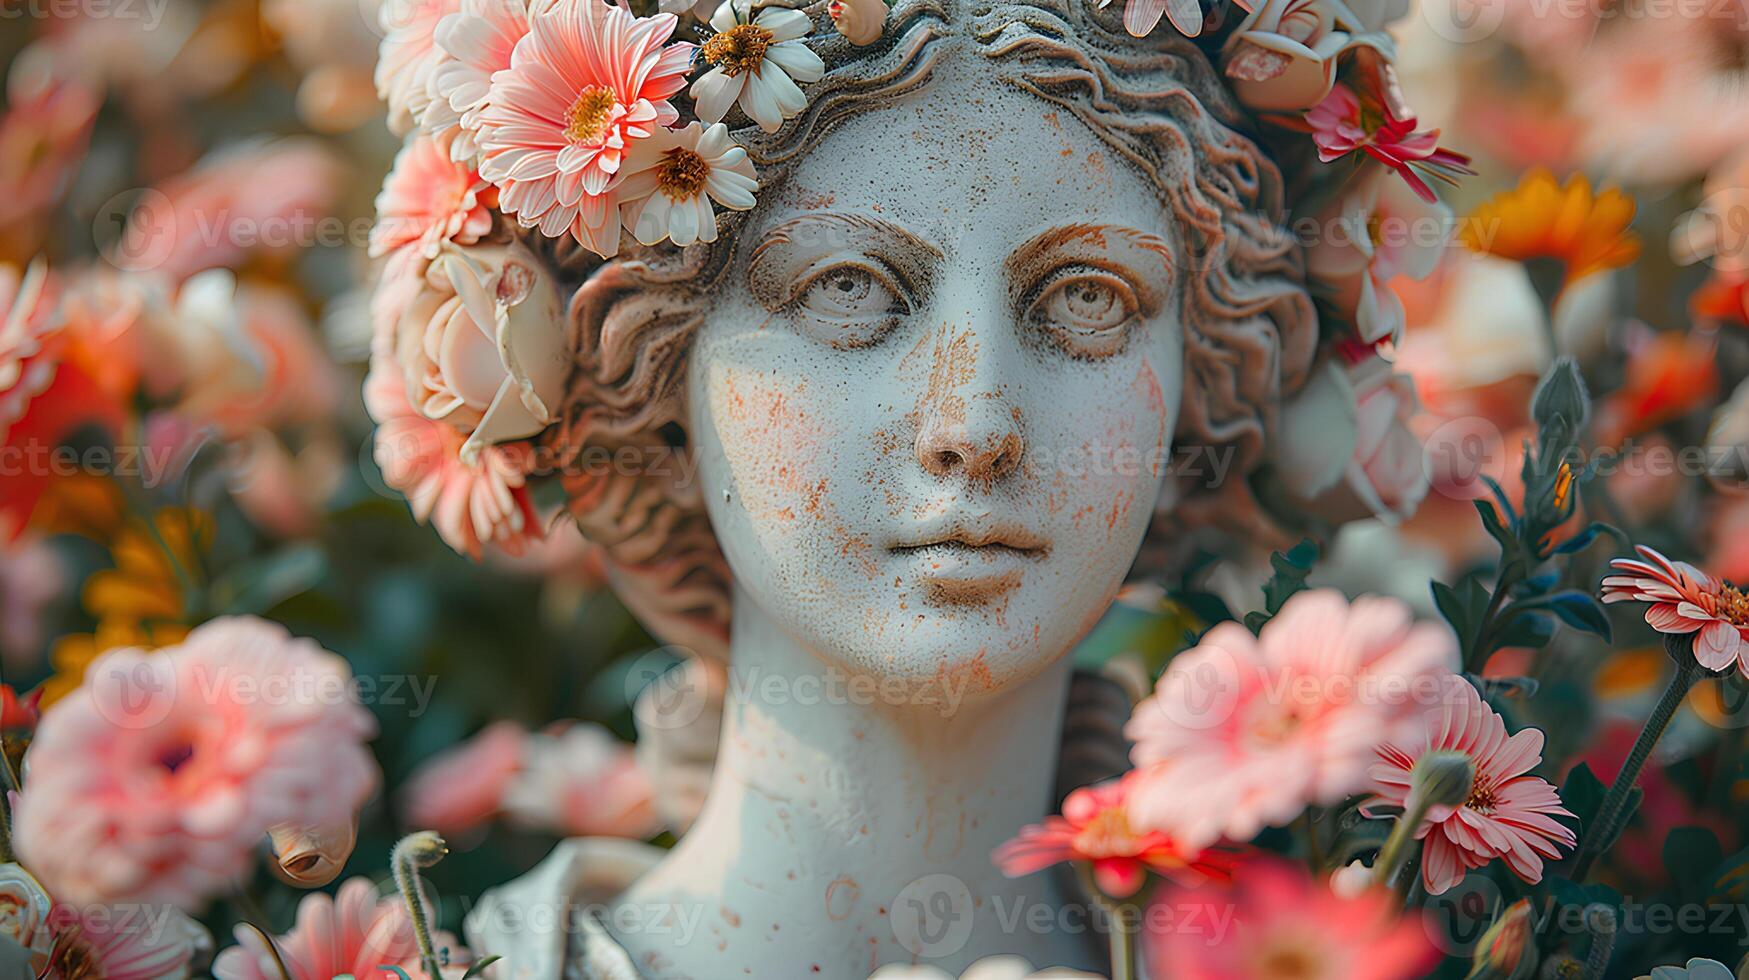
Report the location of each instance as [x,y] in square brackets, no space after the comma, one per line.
[1439,779]
[414,851]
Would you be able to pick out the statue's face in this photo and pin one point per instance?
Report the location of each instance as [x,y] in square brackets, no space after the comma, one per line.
[933,398]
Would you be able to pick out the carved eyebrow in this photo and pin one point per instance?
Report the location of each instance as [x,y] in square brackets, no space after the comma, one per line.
[808,241]
[1106,246]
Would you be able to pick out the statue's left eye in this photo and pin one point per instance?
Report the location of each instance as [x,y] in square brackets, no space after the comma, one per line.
[1085,310]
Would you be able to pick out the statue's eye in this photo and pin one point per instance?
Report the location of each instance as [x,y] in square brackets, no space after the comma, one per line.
[849,304]
[1086,310]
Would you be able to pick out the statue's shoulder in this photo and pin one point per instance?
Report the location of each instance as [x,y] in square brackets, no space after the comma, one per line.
[546,924]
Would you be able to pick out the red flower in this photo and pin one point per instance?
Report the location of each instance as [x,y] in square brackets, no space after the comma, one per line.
[1095,827]
[1345,122]
[16,712]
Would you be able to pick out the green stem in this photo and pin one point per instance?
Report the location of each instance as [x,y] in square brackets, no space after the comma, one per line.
[1600,922]
[413,852]
[1688,671]
[1476,658]
[1397,850]
[1122,937]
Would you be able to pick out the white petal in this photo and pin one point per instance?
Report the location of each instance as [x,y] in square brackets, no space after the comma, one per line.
[732,190]
[652,221]
[759,102]
[797,60]
[784,25]
[714,93]
[682,223]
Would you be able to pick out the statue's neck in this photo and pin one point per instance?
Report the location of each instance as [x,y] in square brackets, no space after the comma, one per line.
[832,796]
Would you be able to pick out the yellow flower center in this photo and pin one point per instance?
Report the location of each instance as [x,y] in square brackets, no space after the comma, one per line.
[1288,960]
[1106,835]
[586,120]
[1482,799]
[682,173]
[1733,605]
[740,50]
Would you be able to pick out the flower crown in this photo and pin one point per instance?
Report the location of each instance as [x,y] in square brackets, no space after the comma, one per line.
[561,115]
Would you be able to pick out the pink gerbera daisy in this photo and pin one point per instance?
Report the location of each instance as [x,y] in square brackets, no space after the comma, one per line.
[475,42]
[1686,600]
[1244,732]
[27,321]
[470,505]
[1285,924]
[126,942]
[1508,814]
[462,787]
[426,200]
[407,57]
[1095,827]
[1344,123]
[157,780]
[587,82]
[354,933]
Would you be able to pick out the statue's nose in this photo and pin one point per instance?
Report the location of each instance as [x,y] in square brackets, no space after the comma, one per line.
[946,449]
[968,428]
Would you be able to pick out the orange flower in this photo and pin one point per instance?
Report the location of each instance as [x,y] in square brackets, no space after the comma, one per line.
[152,565]
[1669,375]
[1542,219]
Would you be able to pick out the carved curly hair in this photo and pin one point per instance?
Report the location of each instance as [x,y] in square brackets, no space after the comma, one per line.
[1250,327]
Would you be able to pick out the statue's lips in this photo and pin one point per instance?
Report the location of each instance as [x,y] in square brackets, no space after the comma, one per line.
[971,568]
[988,540]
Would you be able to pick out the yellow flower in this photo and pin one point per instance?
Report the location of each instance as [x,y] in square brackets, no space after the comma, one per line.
[1543,219]
[142,601]
[148,583]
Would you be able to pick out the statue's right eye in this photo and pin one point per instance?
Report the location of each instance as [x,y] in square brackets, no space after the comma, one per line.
[849,304]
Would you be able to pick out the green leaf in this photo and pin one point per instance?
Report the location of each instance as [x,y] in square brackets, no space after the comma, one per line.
[1495,529]
[1580,610]
[1291,569]
[1582,540]
[1692,856]
[1526,628]
[1582,793]
[258,586]
[1453,609]
[480,967]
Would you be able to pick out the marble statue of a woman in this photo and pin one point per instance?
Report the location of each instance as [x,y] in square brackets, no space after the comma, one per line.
[1007,264]
[1006,261]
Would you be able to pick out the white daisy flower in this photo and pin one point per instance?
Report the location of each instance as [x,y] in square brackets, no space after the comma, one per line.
[671,179]
[757,62]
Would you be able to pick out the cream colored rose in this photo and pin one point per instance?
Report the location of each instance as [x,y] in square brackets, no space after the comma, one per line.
[483,346]
[1344,449]
[860,21]
[1284,55]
